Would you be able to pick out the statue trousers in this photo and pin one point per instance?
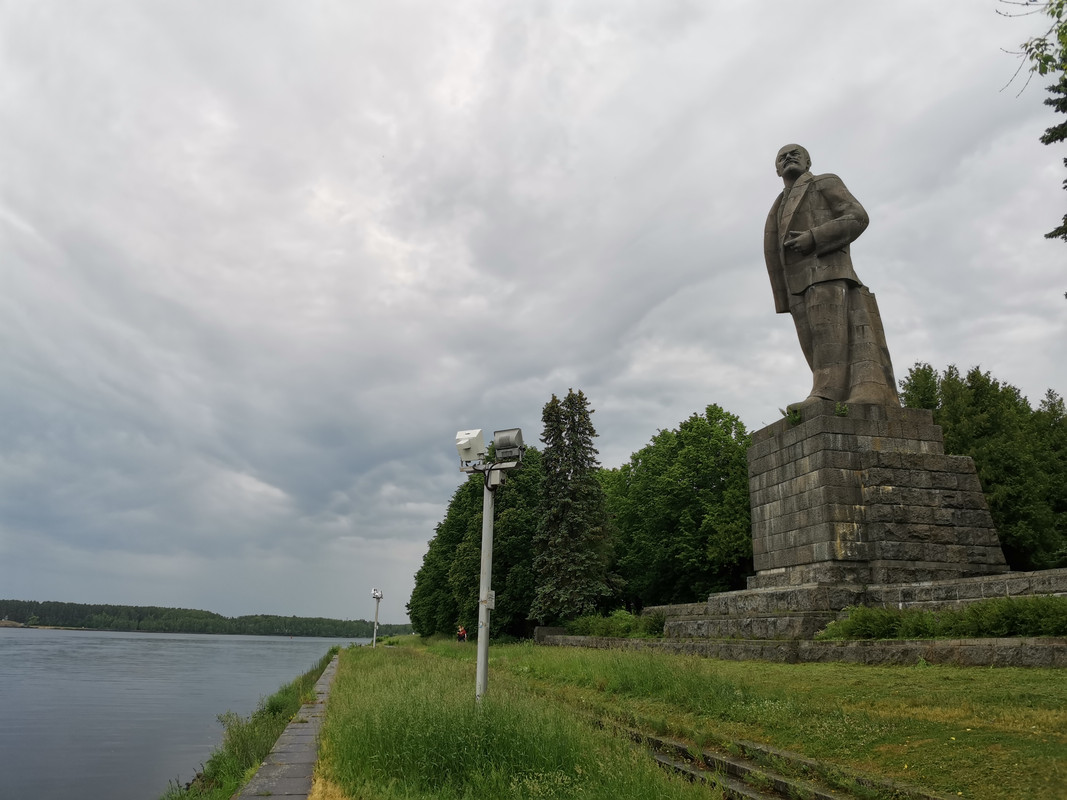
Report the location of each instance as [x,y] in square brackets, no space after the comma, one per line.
[840,332]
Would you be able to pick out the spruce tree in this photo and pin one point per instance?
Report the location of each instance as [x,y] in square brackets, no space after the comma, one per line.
[571,546]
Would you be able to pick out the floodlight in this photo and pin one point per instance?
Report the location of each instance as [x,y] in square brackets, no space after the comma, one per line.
[470,445]
[508,448]
[508,444]
[376,594]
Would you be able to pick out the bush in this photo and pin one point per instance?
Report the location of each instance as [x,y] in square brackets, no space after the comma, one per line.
[618,624]
[995,617]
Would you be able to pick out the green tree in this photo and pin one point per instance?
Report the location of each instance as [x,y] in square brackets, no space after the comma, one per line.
[1020,455]
[433,607]
[681,510]
[572,546]
[518,503]
[446,586]
[1055,134]
[1047,55]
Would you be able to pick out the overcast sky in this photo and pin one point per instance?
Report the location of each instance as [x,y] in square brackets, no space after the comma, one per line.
[261,260]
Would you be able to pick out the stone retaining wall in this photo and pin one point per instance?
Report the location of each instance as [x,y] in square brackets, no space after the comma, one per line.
[799,612]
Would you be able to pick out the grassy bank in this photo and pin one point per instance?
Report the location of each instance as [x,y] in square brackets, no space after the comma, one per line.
[248,740]
[402,723]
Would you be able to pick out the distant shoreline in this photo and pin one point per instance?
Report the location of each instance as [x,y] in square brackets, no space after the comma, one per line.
[162,619]
[5,623]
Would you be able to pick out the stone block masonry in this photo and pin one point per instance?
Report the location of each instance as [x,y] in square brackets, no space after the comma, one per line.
[799,612]
[865,498]
[861,508]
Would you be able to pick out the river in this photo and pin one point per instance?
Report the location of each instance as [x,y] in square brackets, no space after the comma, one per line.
[96,715]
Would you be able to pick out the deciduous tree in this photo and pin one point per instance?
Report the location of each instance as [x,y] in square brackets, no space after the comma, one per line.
[1047,55]
[446,586]
[1020,455]
[681,510]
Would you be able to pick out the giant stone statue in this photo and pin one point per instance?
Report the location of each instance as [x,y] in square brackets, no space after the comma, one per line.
[806,245]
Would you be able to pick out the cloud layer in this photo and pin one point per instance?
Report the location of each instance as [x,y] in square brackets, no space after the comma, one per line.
[261,260]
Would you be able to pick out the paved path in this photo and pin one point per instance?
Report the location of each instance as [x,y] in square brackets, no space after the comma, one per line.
[287,770]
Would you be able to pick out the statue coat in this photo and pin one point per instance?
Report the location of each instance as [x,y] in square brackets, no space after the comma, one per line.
[823,205]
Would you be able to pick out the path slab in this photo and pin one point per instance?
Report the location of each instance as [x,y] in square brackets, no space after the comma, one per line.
[288,768]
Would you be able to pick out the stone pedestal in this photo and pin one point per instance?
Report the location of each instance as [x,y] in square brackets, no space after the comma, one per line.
[868,497]
[859,509]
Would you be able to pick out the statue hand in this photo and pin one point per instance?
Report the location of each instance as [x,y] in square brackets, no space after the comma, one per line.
[801,241]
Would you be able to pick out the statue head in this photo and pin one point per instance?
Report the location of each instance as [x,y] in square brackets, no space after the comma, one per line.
[792,161]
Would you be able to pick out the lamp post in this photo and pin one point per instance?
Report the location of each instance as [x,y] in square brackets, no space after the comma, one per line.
[377,595]
[473,458]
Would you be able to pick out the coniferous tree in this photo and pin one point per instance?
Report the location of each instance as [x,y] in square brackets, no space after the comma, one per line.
[571,547]
[1058,133]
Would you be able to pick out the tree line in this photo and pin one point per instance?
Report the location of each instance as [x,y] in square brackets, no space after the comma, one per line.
[184,620]
[572,538]
[673,525]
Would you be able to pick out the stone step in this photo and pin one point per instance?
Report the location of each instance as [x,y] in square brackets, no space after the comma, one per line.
[731,788]
[744,775]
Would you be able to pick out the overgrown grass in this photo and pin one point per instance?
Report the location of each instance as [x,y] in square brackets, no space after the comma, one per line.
[619,623]
[403,724]
[248,740]
[982,733]
[999,616]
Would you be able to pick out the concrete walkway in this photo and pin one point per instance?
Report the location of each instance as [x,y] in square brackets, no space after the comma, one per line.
[287,770]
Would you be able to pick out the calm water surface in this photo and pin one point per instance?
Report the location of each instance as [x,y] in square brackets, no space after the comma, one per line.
[115,716]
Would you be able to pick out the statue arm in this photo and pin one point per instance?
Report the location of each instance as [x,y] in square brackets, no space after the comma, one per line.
[849,219]
[774,262]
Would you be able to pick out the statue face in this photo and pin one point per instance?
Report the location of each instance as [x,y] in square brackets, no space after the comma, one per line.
[792,160]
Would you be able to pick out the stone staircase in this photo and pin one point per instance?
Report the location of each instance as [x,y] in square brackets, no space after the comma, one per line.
[750,771]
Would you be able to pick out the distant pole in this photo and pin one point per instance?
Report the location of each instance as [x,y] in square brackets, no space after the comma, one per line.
[481,675]
[377,595]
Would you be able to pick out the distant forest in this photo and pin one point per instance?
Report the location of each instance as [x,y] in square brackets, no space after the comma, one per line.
[184,620]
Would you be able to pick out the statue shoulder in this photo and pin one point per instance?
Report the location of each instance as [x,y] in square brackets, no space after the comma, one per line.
[826,177]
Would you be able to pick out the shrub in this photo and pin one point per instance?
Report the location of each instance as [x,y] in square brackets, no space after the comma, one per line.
[620,623]
[995,617]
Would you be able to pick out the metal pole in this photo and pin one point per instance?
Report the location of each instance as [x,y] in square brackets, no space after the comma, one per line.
[482,671]
[374,636]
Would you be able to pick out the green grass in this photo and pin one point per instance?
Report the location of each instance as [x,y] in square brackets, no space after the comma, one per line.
[248,740]
[995,617]
[403,723]
[985,733]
